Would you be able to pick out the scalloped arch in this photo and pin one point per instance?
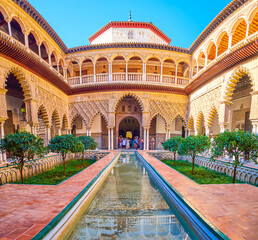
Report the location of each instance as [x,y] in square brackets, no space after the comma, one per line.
[155,115]
[43,110]
[190,122]
[95,114]
[129,94]
[233,80]
[178,115]
[199,119]
[65,121]
[18,73]
[56,117]
[211,114]
[79,116]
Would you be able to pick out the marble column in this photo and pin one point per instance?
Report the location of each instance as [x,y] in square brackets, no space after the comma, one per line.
[108,138]
[9,26]
[144,139]
[147,136]
[112,138]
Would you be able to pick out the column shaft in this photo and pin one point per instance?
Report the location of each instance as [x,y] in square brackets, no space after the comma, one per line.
[9,28]
[144,139]
[147,133]
[126,71]
[80,67]
[108,138]
[112,139]
[94,71]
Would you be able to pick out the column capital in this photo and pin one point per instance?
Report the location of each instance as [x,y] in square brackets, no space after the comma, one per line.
[254,121]
[30,99]
[2,119]
[8,19]
[146,128]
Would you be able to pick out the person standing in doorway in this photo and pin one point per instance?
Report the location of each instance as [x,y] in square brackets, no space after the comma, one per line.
[140,143]
[128,143]
[120,141]
[124,142]
[152,143]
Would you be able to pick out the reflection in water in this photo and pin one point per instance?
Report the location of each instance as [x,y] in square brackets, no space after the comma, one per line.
[128,206]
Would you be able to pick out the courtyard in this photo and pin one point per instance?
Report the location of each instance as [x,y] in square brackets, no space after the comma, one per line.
[134,133]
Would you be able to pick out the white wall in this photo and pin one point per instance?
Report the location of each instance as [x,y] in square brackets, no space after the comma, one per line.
[121,35]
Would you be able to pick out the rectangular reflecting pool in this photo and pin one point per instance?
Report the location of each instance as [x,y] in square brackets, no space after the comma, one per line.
[128,206]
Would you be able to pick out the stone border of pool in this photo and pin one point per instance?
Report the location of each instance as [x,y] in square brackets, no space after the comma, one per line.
[197,223]
[61,226]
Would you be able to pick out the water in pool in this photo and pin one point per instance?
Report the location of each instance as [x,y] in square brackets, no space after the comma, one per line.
[128,206]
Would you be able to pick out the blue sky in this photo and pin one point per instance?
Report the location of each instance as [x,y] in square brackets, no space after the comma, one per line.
[181,20]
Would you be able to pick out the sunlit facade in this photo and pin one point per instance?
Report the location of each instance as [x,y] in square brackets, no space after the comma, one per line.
[128,79]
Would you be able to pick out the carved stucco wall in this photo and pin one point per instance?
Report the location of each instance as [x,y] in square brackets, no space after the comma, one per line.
[204,104]
[88,105]
[36,90]
[213,96]
[88,110]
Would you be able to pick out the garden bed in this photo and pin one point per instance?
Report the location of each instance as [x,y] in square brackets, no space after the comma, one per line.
[56,175]
[201,175]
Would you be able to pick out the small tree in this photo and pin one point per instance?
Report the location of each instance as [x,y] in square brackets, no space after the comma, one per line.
[172,145]
[22,145]
[237,144]
[65,144]
[89,144]
[194,145]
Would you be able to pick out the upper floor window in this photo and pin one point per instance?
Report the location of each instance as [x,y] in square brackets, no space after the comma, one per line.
[130,34]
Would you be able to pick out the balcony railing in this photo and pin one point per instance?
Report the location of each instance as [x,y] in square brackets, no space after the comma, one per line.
[102,77]
[134,77]
[129,77]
